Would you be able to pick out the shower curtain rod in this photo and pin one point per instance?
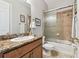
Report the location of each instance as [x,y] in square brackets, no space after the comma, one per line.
[59,8]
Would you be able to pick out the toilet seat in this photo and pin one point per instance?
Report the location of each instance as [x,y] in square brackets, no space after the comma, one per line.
[48,46]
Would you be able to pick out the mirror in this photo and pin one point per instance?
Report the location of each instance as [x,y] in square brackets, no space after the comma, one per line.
[4,18]
[14,17]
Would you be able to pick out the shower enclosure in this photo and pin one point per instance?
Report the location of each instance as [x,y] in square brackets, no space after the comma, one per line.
[58,24]
[50,26]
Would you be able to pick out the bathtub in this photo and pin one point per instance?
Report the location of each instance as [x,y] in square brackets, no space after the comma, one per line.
[64,47]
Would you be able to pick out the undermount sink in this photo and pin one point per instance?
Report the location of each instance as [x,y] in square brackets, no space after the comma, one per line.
[25,38]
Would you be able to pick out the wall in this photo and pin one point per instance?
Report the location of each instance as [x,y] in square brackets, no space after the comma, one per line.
[37,8]
[18,7]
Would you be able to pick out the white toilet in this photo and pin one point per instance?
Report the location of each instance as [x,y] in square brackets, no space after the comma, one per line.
[47,46]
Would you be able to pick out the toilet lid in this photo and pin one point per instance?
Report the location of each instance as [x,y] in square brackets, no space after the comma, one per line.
[48,46]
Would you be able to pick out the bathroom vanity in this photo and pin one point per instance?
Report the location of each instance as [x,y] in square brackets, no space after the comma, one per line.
[23,49]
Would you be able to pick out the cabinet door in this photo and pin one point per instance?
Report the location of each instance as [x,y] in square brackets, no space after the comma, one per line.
[37,52]
[28,55]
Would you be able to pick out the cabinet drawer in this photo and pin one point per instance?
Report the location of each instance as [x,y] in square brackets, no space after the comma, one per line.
[22,50]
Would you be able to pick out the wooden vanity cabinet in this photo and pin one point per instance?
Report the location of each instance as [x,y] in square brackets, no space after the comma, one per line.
[31,50]
[28,55]
[36,53]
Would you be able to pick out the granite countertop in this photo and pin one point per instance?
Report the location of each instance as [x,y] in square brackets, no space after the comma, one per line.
[7,45]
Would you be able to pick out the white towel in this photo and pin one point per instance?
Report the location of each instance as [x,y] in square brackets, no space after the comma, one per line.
[22,28]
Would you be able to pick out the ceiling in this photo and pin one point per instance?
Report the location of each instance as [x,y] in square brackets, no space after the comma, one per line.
[52,4]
